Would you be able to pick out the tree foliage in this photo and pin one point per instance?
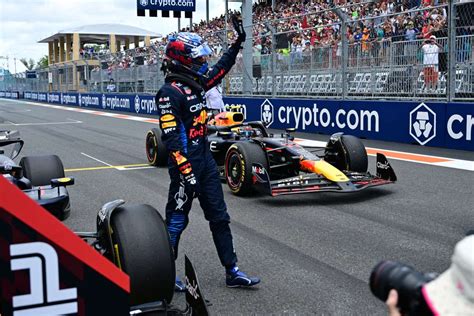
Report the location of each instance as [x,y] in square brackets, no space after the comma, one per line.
[29,63]
[42,63]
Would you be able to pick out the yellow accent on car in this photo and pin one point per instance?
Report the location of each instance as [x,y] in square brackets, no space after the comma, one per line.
[325,169]
[117,256]
[63,180]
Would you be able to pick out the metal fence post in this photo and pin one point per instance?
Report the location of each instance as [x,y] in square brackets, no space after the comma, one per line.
[345,59]
[273,61]
[451,84]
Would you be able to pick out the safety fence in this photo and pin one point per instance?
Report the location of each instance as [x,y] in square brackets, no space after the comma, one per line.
[338,55]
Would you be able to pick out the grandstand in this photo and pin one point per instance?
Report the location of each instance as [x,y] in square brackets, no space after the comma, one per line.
[311,48]
[74,53]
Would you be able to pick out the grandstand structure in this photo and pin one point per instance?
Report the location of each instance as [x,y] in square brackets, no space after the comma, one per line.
[306,48]
[73,53]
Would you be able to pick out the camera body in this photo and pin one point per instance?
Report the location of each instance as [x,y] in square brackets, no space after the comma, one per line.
[408,282]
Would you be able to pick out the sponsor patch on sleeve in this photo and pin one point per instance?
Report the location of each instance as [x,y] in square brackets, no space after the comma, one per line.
[168,124]
[167,118]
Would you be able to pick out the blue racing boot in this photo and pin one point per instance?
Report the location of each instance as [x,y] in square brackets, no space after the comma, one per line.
[179,286]
[236,278]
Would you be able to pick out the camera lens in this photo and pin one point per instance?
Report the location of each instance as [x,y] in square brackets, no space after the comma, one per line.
[408,282]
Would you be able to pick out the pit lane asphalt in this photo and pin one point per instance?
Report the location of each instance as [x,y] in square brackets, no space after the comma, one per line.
[314,252]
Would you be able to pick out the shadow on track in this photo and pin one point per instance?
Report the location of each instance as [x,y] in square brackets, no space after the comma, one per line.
[326,199]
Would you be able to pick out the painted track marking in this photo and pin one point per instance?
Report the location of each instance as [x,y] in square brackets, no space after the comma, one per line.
[404,156]
[71,121]
[120,168]
[98,160]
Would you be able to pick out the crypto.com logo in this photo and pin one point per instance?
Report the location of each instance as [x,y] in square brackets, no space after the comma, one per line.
[137,103]
[266,113]
[104,102]
[42,262]
[144,2]
[422,124]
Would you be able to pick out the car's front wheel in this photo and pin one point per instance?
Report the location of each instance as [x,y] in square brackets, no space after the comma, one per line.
[41,169]
[238,166]
[141,248]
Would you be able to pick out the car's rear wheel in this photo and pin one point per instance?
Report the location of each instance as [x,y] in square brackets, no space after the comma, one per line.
[41,169]
[142,250]
[238,166]
[347,153]
[156,152]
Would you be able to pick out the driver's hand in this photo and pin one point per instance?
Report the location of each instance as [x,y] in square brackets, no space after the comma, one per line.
[239,28]
[391,303]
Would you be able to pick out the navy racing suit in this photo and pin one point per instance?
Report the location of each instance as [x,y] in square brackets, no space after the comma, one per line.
[192,169]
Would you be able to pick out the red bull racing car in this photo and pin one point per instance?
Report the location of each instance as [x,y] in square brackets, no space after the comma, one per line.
[250,158]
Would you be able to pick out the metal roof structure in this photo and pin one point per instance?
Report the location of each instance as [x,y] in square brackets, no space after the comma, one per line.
[99,33]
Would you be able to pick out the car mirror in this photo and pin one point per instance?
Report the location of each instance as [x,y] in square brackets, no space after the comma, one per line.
[16,150]
[62,182]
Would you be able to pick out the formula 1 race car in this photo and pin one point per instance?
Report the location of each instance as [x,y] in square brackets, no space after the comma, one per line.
[133,237]
[40,177]
[250,158]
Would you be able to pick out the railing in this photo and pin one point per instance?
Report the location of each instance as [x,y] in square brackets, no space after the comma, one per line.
[379,67]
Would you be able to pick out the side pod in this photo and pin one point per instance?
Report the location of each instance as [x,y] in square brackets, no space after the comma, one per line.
[384,169]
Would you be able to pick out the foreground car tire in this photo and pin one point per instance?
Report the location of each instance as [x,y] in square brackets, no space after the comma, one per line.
[155,148]
[238,166]
[41,169]
[141,245]
[348,153]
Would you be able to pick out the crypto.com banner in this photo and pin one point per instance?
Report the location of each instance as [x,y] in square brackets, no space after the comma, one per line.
[134,103]
[167,5]
[437,124]
[9,94]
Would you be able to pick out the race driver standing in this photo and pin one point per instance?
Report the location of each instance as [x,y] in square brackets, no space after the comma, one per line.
[192,169]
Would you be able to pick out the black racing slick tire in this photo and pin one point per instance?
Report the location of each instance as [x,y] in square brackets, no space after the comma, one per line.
[156,152]
[356,155]
[41,169]
[142,250]
[238,166]
[347,153]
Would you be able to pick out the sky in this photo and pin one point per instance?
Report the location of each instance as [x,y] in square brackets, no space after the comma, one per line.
[24,22]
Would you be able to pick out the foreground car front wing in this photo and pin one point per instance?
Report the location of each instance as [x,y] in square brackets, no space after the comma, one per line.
[307,183]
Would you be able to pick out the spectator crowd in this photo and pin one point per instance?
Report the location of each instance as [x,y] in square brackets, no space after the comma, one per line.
[311,29]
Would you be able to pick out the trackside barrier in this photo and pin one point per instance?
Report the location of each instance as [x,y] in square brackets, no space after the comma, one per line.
[9,94]
[438,124]
[449,125]
[140,104]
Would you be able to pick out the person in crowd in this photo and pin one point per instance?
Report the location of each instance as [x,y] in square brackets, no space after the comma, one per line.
[452,293]
[411,34]
[431,50]
[214,99]
[192,169]
[111,86]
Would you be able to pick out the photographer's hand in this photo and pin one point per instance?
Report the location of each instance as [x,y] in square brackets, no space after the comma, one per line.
[391,303]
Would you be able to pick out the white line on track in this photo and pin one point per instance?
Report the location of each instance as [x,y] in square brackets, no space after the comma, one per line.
[17,111]
[119,168]
[43,123]
[404,156]
[96,159]
[134,168]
